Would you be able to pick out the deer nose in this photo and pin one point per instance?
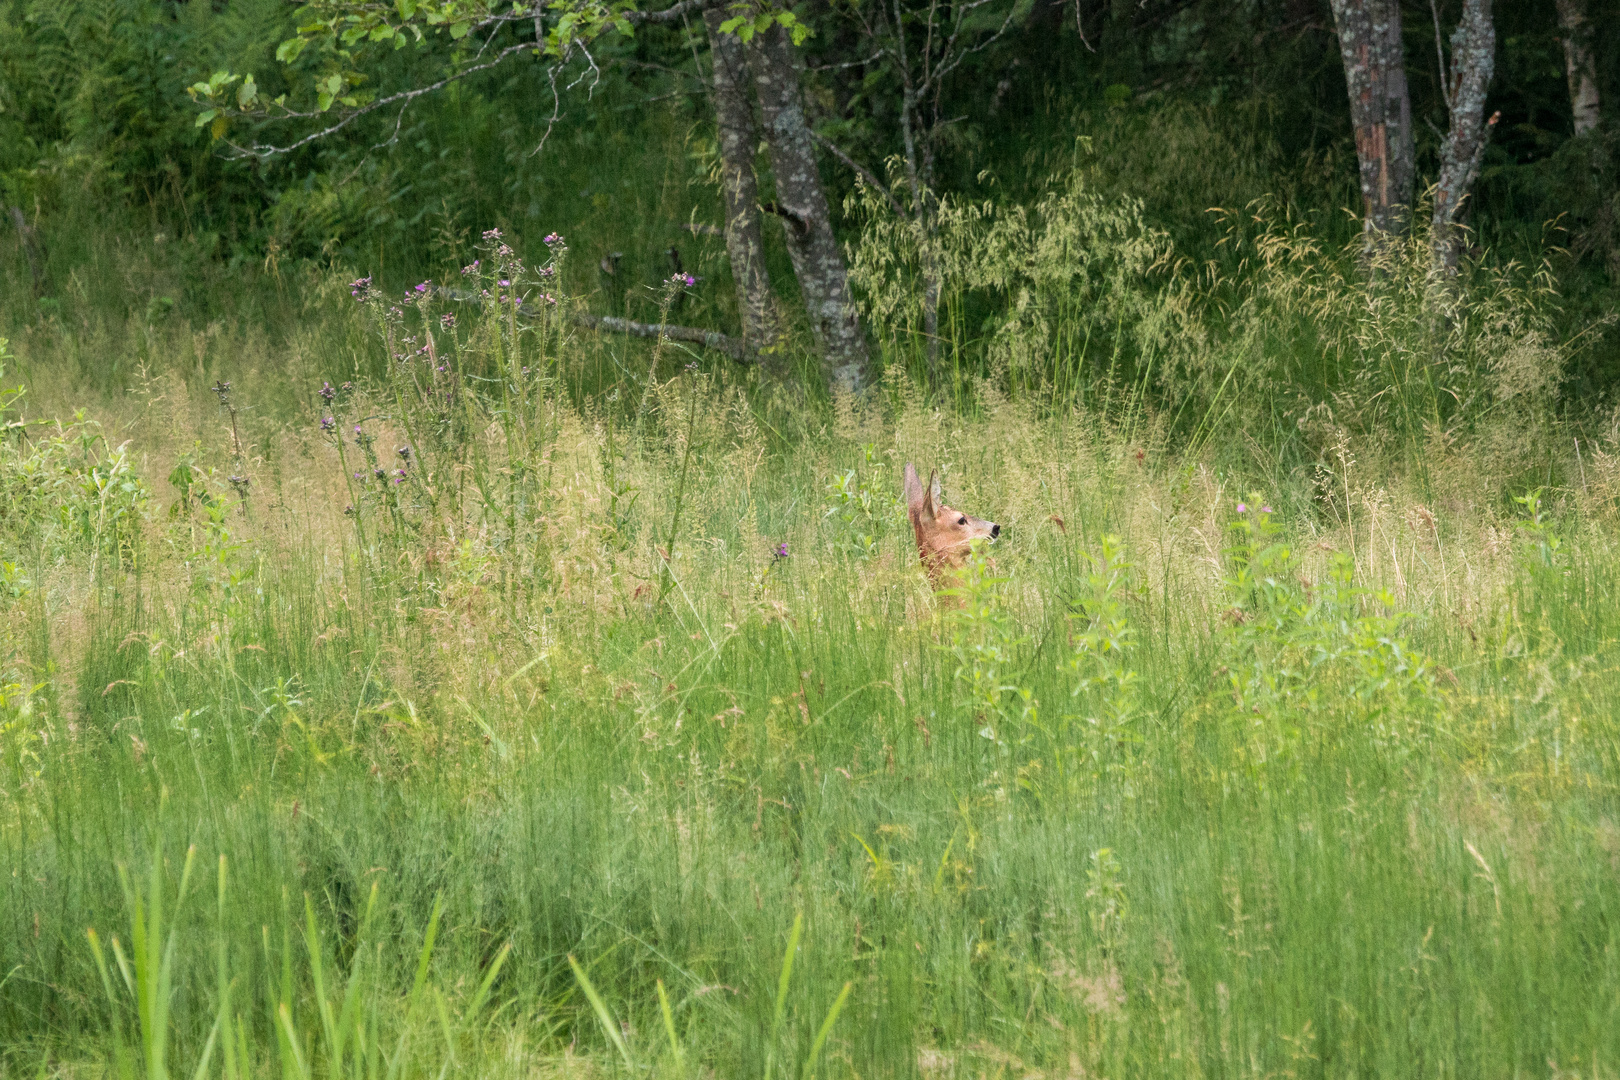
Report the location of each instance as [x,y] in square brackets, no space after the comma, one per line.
[995,530]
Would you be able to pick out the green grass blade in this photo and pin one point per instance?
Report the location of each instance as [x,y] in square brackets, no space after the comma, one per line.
[824,1031]
[475,1006]
[426,956]
[669,1029]
[295,1053]
[317,977]
[201,1072]
[610,1027]
[780,1010]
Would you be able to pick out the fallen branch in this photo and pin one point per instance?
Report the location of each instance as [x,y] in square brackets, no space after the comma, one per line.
[709,339]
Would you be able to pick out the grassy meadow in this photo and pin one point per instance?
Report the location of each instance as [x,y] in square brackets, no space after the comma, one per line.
[411,683]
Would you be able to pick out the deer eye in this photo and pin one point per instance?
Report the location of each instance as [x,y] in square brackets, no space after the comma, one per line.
[961,521]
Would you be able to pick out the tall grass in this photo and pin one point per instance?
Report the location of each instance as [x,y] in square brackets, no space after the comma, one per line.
[613,726]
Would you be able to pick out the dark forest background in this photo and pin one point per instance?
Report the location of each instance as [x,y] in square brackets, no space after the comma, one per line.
[1185,105]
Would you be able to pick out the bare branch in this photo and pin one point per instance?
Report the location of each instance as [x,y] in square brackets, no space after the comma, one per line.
[670,15]
[860,170]
[404,97]
[1080,28]
[709,339]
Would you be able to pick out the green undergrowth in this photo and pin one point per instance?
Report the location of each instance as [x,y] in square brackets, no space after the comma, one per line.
[459,719]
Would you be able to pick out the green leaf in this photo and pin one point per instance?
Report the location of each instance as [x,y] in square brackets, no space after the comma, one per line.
[323,101]
[289,50]
[333,85]
[382,33]
[459,30]
[406,8]
[206,115]
[248,92]
[219,127]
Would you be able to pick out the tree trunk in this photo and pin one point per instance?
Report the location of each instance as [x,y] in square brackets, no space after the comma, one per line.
[1583,87]
[745,243]
[1473,62]
[1380,109]
[802,204]
[31,246]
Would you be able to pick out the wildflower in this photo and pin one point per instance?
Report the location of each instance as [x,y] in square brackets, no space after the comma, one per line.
[492,234]
[1243,508]
[399,477]
[470,268]
[328,423]
[503,283]
[326,391]
[379,472]
[503,251]
[223,389]
[1265,509]
[347,388]
[240,483]
[404,452]
[547,271]
[348,511]
[781,550]
[552,238]
[360,288]
[422,288]
[447,321]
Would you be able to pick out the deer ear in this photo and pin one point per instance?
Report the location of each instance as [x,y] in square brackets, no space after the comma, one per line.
[935,498]
[913,490]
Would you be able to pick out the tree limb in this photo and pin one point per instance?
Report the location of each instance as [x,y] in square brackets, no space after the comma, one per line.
[860,170]
[709,339]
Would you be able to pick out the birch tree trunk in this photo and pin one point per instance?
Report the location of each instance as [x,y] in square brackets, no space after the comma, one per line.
[1380,109]
[734,114]
[802,204]
[1578,62]
[1473,62]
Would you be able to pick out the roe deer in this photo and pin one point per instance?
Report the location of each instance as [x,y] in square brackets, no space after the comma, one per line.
[944,536]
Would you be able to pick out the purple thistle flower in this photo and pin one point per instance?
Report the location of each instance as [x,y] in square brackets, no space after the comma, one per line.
[326,391]
[1243,508]
[422,288]
[1265,509]
[552,238]
[504,283]
[328,423]
[492,234]
[447,321]
[379,472]
[404,452]
[782,550]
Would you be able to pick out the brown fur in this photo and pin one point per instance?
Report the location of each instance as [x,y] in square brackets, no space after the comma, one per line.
[944,536]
